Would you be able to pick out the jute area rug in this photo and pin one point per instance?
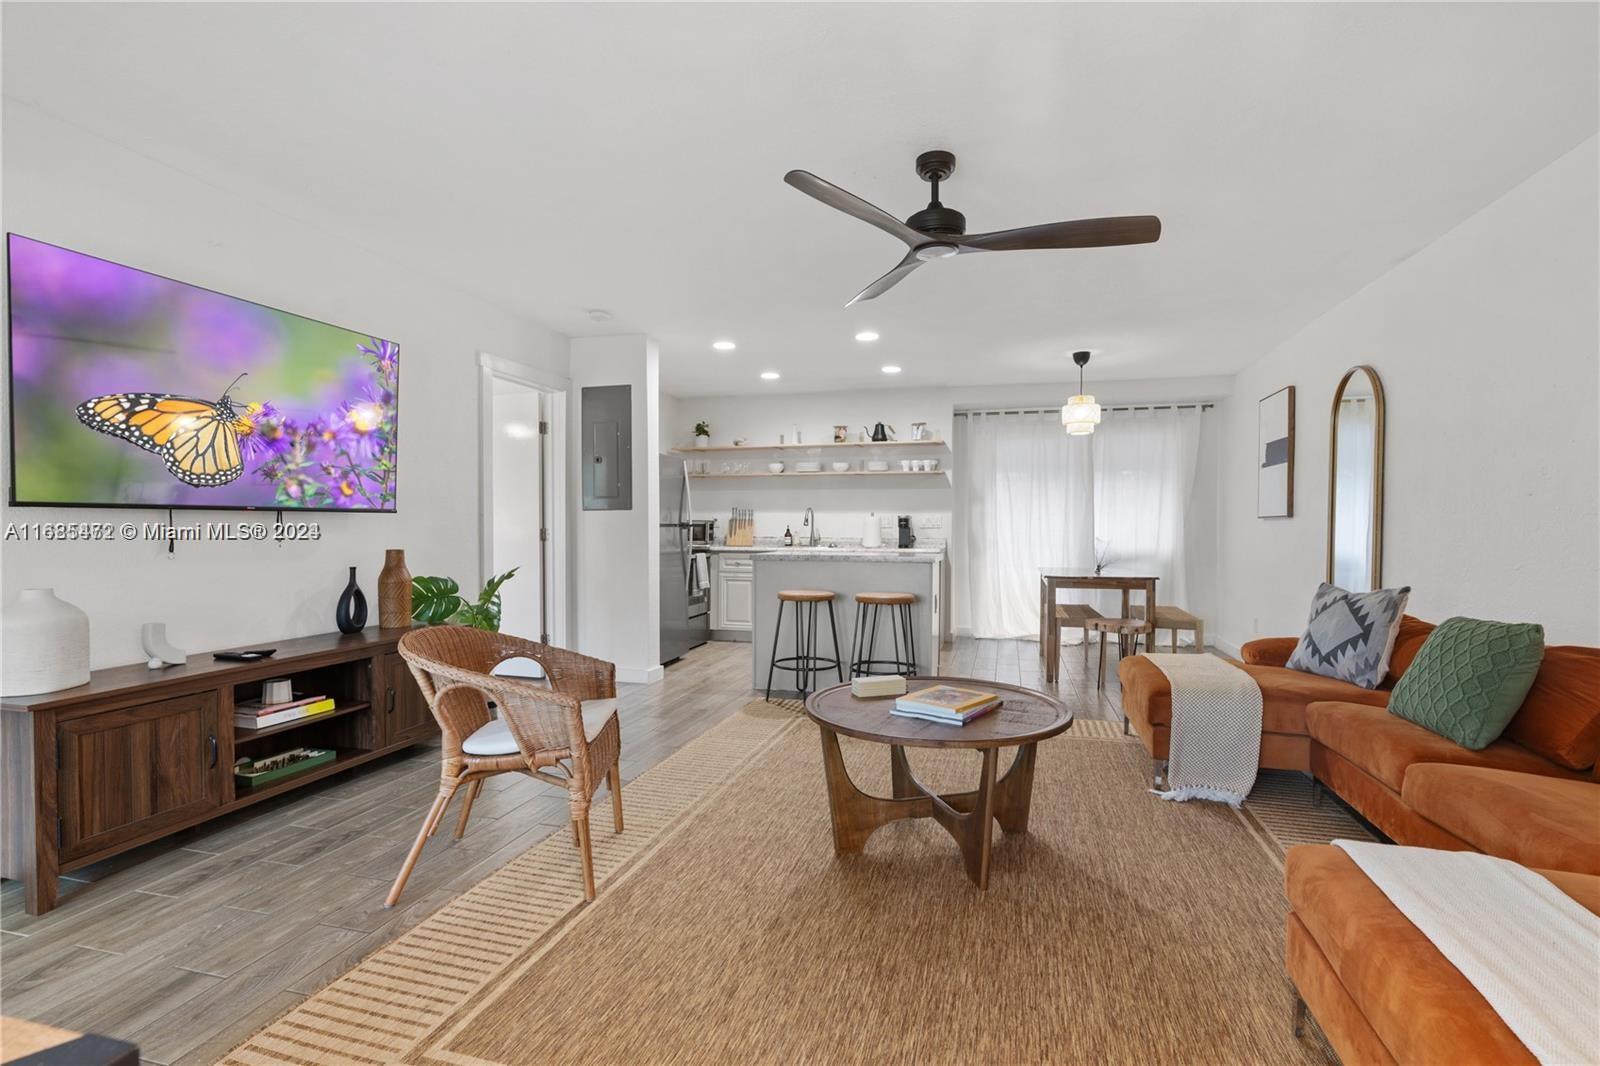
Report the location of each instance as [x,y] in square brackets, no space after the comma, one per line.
[1118,929]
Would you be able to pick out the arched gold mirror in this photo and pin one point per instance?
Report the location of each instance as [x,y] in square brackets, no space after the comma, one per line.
[1355,482]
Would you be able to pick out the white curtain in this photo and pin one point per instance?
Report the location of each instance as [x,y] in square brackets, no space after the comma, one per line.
[1027,502]
[1143,472]
[1352,527]
[1031,496]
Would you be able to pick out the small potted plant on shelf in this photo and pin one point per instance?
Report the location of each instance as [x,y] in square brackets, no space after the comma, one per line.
[702,434]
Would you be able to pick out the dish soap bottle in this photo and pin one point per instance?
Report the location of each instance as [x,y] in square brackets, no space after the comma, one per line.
[788,537]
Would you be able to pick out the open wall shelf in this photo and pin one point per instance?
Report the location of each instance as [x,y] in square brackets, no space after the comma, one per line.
[825,473]
[805,447]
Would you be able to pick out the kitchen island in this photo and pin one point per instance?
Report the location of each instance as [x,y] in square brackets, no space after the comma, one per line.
[845,572]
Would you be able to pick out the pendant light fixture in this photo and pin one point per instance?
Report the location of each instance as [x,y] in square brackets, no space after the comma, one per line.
[1080,414]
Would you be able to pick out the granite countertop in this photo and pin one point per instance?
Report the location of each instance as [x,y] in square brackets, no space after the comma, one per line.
[853,555]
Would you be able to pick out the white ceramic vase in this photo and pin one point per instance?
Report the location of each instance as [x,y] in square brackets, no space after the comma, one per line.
[44,644]
[702,442]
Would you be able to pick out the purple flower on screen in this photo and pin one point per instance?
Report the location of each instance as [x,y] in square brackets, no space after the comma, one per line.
[384,354]
[360,428]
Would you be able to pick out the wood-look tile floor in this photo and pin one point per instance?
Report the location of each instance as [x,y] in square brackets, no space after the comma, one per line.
[189,945]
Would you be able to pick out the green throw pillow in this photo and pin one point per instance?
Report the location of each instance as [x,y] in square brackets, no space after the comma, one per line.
[1469,679]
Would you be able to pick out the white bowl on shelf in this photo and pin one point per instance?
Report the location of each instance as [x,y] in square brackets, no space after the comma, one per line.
[839,468]
[774,468]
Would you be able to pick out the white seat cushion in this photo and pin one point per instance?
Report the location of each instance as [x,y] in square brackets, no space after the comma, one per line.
[595,715]
[496,739]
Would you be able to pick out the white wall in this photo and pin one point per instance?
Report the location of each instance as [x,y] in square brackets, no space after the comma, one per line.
[68,187]
[618,590]
[1486,342]
[841,504]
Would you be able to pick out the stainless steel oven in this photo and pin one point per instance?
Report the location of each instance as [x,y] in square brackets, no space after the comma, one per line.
[699,587]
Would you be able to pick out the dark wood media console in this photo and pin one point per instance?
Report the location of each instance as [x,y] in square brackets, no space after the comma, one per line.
[137,754]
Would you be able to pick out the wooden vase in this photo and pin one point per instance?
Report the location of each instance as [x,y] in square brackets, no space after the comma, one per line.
[394,591]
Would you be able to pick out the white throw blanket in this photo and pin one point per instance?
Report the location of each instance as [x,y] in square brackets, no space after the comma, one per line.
[1215,749]
[1527,947]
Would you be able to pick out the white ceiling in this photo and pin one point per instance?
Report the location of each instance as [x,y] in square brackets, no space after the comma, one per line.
[554,158]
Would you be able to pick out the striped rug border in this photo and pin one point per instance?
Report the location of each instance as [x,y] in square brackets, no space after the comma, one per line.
[1281,814]
[384,1006]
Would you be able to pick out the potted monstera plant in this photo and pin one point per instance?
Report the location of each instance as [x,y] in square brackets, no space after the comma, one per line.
[438,599]
[702,434]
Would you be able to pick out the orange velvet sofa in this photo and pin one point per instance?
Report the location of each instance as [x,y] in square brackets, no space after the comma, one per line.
[1410,783]
[1285,695]
[1378,988]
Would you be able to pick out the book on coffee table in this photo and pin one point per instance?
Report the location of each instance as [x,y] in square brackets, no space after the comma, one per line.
[946,703]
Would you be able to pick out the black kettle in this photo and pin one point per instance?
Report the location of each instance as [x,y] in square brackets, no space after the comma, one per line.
[880,432]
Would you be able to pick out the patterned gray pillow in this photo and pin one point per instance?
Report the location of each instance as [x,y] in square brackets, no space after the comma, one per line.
[1351,634]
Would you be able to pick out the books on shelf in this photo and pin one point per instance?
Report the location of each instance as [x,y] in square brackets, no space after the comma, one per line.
[253,714]
[946,703]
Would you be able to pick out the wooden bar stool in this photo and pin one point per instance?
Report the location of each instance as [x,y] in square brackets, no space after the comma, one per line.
[805,661]
[1074,616]
[1127,631]
[864,640]
[1175,619]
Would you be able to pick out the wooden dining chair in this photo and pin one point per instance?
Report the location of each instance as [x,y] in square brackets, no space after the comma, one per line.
[567,734]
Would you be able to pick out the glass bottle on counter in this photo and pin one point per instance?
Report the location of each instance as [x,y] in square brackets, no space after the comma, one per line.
[788,537]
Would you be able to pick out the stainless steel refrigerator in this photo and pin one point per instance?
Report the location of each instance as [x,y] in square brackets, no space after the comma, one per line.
[685,580]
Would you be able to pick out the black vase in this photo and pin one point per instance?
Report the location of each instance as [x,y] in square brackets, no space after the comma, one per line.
[351,615]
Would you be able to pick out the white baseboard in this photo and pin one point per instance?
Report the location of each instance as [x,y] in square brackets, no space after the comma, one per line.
[630,676]
[1226,647]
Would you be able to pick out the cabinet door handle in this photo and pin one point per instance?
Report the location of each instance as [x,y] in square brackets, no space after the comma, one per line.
[213,751]
[389,707]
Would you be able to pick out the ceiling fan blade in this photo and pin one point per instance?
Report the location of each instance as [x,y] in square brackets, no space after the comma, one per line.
[1079,233]
[851,204]
[889,280]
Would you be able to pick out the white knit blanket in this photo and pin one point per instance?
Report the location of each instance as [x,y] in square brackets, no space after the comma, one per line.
[1526,946]
[1215,748]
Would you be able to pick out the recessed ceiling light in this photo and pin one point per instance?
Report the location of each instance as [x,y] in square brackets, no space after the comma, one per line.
[724,346]
[770,375]
[866,336]
[891,370]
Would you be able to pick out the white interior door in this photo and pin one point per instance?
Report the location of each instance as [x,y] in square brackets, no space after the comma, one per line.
[517,478]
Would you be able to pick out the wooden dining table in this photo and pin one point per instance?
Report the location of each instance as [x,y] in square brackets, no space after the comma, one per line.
[1053,578]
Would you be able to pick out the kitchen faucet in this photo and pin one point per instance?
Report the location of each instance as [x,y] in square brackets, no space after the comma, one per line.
[810,521]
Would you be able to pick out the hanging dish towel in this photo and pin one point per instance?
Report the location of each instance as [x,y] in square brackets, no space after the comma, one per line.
[1215,747]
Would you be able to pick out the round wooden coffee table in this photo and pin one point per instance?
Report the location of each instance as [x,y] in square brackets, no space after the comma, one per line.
[1024,718]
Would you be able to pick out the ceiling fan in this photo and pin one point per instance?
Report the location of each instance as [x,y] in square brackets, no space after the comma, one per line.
[939,232]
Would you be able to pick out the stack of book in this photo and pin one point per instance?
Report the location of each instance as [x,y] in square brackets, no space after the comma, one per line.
[946,703]
[253,714]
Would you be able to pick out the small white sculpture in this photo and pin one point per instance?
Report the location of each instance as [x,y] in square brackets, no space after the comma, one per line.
[153,636]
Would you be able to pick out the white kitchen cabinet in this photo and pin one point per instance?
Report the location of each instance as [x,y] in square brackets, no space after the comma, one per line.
[733,593]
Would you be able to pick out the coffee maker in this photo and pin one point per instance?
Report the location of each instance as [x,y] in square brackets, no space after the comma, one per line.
[907,538]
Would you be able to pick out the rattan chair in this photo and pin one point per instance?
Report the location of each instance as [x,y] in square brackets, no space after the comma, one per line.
[566,734]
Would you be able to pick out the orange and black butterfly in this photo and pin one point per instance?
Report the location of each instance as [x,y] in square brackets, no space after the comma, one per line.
[197,439]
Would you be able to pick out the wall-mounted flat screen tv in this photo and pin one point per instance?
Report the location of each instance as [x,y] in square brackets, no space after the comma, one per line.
[132,390]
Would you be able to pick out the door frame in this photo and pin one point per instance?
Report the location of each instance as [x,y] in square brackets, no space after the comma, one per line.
[553,461]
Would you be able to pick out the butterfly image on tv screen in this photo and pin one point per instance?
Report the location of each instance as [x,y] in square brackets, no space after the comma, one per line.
[197,439]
